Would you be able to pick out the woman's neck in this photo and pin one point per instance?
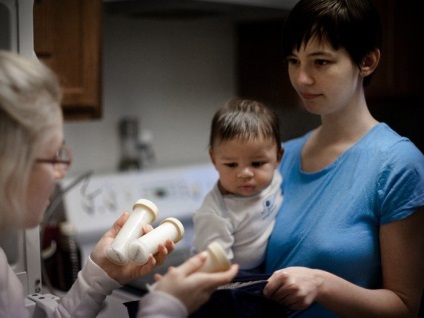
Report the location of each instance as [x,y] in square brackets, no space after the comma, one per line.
[347,126]
[337,133]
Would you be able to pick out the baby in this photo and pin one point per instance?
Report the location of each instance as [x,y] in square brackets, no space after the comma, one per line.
[240,210]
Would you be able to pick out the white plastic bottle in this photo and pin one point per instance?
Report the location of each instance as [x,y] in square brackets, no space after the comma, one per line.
[140,249]
[216,260]
[144,212]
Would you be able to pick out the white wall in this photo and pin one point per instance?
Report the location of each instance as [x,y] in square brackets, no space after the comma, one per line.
[172,75]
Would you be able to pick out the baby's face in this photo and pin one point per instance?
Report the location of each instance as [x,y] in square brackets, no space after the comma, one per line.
[245,167]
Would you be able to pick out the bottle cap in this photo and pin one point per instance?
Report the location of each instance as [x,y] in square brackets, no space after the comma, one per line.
[144,203]
[218,257]
[178,225]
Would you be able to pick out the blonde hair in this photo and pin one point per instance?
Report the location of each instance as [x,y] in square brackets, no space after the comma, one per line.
[29,110]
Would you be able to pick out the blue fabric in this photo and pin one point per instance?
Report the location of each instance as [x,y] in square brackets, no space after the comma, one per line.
[330,219]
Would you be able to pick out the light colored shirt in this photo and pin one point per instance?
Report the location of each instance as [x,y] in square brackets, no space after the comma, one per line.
[84,299]
[241,225]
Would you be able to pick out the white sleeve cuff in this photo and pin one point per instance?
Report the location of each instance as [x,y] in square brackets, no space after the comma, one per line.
[86,296]
[161,305]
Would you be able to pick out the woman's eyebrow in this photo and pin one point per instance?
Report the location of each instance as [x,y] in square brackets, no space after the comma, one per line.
[320,53]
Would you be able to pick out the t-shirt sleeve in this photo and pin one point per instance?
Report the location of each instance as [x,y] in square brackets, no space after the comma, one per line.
[210,227]
[401,183]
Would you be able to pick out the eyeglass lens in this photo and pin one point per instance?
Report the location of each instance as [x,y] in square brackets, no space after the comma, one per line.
[64,154]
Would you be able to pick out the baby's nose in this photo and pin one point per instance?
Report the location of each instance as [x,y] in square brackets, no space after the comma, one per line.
[245,173]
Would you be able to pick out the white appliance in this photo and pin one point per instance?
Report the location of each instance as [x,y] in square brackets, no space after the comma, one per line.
[95,203]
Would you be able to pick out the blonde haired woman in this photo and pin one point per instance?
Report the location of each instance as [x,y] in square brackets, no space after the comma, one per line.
[33,157]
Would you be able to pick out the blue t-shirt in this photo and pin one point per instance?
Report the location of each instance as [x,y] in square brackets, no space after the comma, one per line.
[330,219]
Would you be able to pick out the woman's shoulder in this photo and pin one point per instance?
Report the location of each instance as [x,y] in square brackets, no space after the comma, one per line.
[391,154]
[387,142]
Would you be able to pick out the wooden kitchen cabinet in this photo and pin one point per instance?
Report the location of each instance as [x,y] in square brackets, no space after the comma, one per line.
[67,37]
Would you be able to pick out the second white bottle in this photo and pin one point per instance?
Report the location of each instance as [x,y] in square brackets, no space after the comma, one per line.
[140,249]
[144,212]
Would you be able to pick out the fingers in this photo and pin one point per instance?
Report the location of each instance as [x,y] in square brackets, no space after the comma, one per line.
[165,249]
[222,278]
[162,249]
[157,277]
[119,223]
[170,245]
[193,264]
[292,287]
[151,261]
[161,255]
[149,266]
[276,280]
[210,281]
[146,229]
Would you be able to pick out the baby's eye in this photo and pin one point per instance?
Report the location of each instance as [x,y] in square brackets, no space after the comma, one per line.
[258,164]
[231,165]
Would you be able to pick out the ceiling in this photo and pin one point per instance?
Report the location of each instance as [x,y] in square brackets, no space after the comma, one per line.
[199,9]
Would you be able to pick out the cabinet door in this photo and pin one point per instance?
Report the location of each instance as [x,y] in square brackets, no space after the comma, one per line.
[67,37]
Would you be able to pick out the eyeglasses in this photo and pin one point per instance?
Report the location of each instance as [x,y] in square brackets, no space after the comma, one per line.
[62,161]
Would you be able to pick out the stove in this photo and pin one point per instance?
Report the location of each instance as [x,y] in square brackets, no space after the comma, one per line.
[95,203]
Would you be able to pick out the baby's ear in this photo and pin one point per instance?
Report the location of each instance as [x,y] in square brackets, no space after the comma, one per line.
[280,154]
[212,155]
